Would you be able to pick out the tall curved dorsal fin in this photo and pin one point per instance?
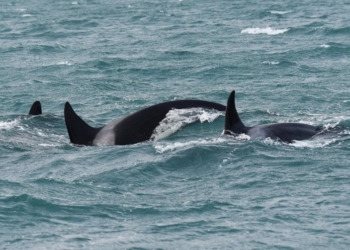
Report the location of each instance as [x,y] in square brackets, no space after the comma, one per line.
[79,131]
[35,109]
[232,121]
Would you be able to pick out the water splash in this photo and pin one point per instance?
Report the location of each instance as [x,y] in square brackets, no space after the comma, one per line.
[178,118]
[7,125]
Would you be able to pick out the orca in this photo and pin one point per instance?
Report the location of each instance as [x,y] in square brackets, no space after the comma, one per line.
[134,128]
[35,109]
[285,132]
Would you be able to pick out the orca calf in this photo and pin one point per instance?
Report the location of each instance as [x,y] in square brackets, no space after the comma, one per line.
[134,128]
[285,132]
[35,109]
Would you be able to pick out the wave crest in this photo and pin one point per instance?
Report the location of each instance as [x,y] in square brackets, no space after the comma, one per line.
[178,118]
[8,124]
[267,30]
[174,146]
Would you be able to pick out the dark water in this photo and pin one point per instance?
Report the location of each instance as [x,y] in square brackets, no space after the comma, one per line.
[193,188]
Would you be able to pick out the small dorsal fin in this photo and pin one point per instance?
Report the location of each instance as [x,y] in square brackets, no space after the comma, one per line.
[35,109]
[79,131]
[232,121]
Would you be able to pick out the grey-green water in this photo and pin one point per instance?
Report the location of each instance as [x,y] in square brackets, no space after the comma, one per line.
[195,189]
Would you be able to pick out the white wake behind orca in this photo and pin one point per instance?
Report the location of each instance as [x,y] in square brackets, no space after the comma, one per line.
[285,132]
[134,128]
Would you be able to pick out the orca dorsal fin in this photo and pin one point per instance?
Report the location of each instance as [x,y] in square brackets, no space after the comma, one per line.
[232,121]
[79,131]
[35,109]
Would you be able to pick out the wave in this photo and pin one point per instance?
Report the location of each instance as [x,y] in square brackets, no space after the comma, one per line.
[271,62]
[320,143]
[320,28]
[67,63]
[267,30]
[308,29]
[178,118]
[276,12]
[284,63]
[174,146]
[337,31]
[27,133]
[7,125]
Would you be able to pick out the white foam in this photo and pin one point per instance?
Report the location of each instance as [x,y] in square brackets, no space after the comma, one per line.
[330,123]
[280,12]
[165,147]
[242,137]
[270,112]
[26,15]
[238,137]
[271,62]
[8,124]
[267,30]
[311,143]
[178,118]
[322,142]
[65,63]
[325,46]
[299,121]
[345,132]
[47,145]
[74,3]
[270,141]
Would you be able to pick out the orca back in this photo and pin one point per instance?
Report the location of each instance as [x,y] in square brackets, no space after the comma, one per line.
[134,128]
[286,132]
[139,126]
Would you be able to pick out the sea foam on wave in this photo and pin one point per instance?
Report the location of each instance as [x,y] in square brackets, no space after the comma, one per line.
[8,124]
[178,118]
[267,30]
[279,12]
[271,62]
[320,143]
[173,146]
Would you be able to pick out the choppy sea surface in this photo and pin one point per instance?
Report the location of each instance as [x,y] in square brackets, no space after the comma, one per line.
[192,187]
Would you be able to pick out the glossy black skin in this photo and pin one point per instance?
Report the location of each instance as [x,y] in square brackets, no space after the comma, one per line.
[286,132]
[134,128]
[35,109]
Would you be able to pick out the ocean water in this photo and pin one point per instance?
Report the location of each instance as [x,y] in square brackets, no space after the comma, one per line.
[192,187]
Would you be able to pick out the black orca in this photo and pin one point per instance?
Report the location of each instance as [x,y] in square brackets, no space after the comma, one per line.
[35,109]
[134,128]
[285,132]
